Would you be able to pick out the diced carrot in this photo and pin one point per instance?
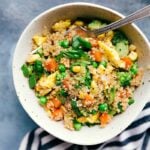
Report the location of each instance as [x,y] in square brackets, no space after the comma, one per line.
[128,62]
[65,83]
[97,55]
[88,100]
[105,118]
[57,114]
[51,65]
[56,102]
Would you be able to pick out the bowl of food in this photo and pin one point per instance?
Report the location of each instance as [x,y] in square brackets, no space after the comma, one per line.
[73,85]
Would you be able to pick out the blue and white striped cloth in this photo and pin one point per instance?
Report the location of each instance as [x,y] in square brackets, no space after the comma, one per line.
[135,137]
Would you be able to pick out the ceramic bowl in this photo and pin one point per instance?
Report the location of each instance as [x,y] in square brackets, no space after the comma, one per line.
[26,96]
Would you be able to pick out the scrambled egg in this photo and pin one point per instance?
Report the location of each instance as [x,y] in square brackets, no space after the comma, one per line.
[45,84]
[112,55]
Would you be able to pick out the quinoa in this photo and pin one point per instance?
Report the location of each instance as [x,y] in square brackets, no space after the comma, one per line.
[82,80]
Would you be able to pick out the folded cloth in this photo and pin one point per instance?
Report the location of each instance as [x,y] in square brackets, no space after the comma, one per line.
[136,136]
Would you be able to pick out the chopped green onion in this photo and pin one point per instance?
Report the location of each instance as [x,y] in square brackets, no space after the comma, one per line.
[75,108]
[32,81]
[120,106]
[25,70]
[64,43]
[64,93]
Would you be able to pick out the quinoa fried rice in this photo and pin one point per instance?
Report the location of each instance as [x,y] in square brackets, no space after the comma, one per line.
[82,80]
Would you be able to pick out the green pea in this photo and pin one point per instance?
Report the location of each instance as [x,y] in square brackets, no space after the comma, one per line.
[94,64]
[134,69]
[103,107]
[77,126]
[43,100]
[64,43]
[62,68]
[104,63]
[130,101]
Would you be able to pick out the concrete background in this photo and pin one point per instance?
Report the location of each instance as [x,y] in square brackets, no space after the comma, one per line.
[14,16]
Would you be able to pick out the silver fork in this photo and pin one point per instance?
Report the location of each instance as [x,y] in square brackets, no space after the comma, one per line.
[142,13]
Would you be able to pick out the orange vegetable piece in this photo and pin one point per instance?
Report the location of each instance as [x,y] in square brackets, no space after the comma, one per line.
[51,65]
[105,118]
[56,102]
[65,83]
[97,55]
[128,62]
[57,114]
[88,100]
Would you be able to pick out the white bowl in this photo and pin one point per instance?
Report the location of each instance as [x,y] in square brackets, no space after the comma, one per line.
[87,136]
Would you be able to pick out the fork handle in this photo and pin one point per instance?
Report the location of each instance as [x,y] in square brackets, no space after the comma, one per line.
[142,13]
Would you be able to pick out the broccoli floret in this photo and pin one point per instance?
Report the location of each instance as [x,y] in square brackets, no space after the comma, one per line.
[119,37]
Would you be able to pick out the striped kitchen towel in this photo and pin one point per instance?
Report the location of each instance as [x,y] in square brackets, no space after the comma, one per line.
[135,137]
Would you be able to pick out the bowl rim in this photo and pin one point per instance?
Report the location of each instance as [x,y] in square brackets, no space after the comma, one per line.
[15,53]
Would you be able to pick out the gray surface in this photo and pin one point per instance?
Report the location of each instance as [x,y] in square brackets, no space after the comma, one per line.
[14,16]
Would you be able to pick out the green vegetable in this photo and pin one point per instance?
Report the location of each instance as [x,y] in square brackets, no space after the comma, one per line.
[122,48]
[93,112]
[79,42]
[120,106]
[77,126]
[121,43]
[112,111]
[75,108]
[32,81]
[96,24]
[39,51]
[75,42]
[77,86]
[130,101]
[119,37]
[112,94]
[37,67]
[95,64]
[64,43]
[43,100]
[84,43]
[124,78]
[26,71]
[87,79]
[134,69]
[62,68]
[64,93]
[73,54]
[60,77]
[103,107]
[103,63]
